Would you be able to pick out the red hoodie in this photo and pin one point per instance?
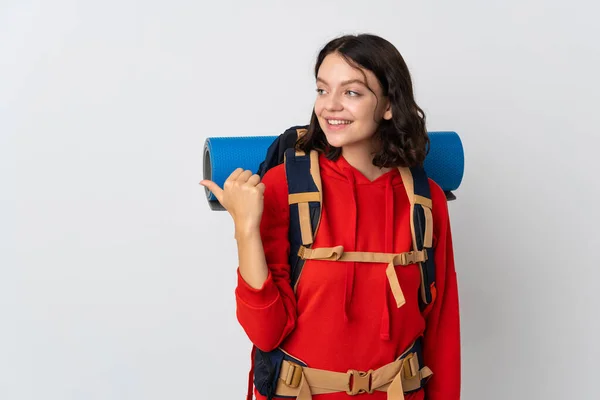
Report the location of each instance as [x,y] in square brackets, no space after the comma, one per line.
[343,315]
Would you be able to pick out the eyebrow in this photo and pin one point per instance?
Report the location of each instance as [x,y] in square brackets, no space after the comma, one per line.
[344,83]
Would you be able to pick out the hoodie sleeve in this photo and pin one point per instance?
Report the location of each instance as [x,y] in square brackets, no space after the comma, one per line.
[268,314]
[442,334]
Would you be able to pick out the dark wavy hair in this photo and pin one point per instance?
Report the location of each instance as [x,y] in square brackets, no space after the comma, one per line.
[403,138]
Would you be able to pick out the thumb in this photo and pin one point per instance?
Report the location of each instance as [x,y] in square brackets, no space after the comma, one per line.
[214,188]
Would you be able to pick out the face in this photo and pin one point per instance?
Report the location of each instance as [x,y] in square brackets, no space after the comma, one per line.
[347,111]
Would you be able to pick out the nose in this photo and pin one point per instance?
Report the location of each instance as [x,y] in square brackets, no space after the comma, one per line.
[333,103]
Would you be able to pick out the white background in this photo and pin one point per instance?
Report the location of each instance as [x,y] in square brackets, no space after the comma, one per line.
[117,281]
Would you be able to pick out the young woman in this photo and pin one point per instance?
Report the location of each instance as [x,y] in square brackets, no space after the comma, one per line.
[343,322]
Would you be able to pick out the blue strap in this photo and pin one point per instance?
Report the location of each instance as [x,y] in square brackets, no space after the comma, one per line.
[421,185]
[297,169]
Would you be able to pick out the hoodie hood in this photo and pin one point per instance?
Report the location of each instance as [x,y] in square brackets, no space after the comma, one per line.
[342,170]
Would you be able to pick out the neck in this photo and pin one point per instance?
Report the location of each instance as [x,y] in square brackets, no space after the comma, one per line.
[361,158]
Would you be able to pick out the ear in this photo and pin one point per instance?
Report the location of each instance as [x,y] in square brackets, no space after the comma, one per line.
[387,115]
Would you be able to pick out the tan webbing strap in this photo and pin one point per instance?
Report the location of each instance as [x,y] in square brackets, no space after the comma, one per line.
[428,240]
[403,374]
[427,206]
[424,201]
[305,228]
[390,272]
[409,186]
[323,253]
[296,198]
[337,254]
[315,171]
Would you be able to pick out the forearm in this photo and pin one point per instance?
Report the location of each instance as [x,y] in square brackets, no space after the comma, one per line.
[265,300]
[251,258]
[264,296]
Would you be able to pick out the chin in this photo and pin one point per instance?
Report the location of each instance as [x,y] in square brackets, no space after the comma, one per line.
[335,140]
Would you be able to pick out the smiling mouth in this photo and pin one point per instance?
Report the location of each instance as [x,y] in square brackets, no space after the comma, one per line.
[338,122]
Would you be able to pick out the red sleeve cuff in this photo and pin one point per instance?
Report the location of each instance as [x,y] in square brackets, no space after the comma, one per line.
[257,298]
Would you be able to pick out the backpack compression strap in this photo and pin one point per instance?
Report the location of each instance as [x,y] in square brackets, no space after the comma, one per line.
[304,197]
[338,254]
[421,220]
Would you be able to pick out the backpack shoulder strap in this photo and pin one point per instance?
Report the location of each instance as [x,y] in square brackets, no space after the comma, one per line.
[416,184]
[305,199]
[276,150]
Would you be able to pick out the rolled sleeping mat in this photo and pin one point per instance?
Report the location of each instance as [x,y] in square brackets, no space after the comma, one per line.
[445,162]
[222,155]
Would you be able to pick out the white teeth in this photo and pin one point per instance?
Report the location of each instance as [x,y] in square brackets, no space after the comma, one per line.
[338,122]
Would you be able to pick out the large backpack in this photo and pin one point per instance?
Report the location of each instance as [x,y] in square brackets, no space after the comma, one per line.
[300,181]
[304,189]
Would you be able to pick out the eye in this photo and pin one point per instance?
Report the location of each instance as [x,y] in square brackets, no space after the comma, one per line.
[353,93]
[320,91]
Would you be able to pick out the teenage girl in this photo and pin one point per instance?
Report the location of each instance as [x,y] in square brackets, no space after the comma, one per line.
[343,319]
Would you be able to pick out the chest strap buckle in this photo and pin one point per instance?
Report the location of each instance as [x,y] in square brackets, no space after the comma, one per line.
[359,382]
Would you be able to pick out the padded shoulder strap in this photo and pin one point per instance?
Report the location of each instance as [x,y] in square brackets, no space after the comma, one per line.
[276,151]
[416,184]
[304,198]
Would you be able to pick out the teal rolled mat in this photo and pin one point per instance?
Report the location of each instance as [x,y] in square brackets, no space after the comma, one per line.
[222,155]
